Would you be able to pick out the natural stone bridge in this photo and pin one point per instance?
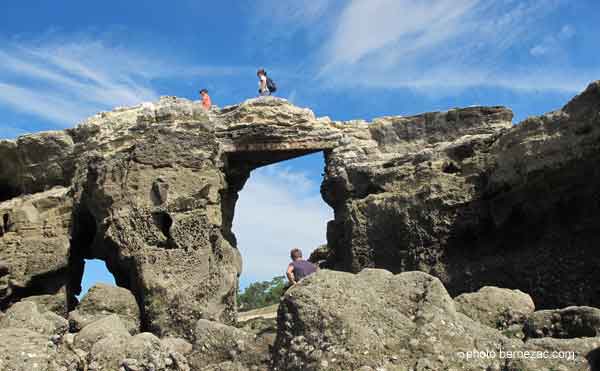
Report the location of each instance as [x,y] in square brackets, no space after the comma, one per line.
[152,189]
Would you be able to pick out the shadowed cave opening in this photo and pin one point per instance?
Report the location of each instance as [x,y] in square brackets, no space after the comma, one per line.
[7,192]
[93,259]
[279,208]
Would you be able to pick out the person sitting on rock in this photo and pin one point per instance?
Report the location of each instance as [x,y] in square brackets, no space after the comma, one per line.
[299,268]
[206,102]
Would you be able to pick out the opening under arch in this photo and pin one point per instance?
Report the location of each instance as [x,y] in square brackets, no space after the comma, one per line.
[279,208]
[95,271]
[93,259]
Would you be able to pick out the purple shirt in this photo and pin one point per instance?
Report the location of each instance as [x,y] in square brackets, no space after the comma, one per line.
[302,268]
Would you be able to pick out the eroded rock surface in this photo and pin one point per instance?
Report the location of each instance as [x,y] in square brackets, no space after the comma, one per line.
[27,315]
[496,307]
[103,300]
[567,323]
[26,350]
[462,195]
[473,200]
[34,244]
[35,163]
[377,320]
[217,343]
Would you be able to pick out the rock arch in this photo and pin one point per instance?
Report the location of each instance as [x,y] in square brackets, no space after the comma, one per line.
[159,182]
[158,194]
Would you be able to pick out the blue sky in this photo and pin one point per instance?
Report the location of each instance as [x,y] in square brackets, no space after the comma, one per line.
[61,61]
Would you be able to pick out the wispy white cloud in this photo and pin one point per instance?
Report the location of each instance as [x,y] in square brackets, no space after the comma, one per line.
[553,43]
[278,209]
[291,13]
[40,102]
[287,27]
[404,26]
[442,46]
[66,81]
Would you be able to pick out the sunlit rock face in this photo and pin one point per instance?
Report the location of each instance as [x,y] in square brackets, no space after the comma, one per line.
[150,190]
[473,200]
[377,320]
[463,195]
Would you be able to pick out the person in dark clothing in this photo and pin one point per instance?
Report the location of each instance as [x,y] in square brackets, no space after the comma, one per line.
[263,86]
[299,268]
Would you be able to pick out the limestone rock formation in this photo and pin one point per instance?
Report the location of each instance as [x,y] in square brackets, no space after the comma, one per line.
[34,244]
[103,300]
[32,340]
[106,327]
[35,163]
[152,191]
[377,320]
[26,350]
[475,201]
[567,323]
[496,307]
[463,195]
[217,343]
[27,315]
[50,302]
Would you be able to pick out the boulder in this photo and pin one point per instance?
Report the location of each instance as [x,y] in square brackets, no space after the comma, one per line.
[569,354]
[50,302]
[321,256]
[108,353]
[377,320]
[109,327]
[226,366]
[567,323]
[216,343]
[496,307]
[26,315]
[103,300]
[142,352]
[148,350]
[25,350]
[177,345]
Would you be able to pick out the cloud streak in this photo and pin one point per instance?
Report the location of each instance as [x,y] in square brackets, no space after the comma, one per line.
[406,26]
[66,81]
[442,46]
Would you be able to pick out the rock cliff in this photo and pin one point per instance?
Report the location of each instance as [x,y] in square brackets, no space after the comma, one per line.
[475,201]
[150,190]
[462,195]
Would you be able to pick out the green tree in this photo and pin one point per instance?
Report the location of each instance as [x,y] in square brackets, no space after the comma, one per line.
[261,294]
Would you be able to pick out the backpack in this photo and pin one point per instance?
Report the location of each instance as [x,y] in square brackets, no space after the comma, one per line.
[271,85]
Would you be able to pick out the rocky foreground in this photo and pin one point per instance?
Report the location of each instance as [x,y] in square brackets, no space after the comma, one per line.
[452,204]
[373,320]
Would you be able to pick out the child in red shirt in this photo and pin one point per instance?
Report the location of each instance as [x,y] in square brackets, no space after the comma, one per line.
[206,103]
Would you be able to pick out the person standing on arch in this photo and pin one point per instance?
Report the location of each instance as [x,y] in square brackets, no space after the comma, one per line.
[299,268]
[266,86]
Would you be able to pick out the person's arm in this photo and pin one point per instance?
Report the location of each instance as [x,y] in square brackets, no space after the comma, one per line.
[290,274]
